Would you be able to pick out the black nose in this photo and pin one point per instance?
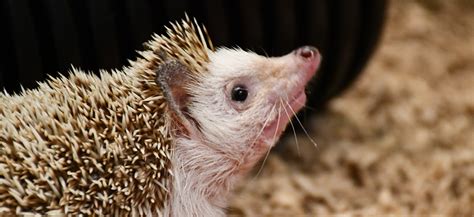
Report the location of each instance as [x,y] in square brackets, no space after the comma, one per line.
[307,52]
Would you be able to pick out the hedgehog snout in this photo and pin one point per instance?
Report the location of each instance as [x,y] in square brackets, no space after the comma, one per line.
[307,52]
[307,62]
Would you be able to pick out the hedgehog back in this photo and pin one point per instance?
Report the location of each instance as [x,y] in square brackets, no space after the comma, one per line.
[86,144]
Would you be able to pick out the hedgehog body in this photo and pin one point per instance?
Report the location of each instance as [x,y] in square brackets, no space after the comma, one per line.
[170,135]
[85,144]
[94,145]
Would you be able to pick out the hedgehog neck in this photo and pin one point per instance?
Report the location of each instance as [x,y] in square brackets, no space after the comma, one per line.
[200,174]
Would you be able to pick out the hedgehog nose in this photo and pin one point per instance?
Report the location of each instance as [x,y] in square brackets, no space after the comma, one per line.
[307,52]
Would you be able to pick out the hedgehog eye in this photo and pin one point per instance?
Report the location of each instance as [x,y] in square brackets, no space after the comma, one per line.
[239,93]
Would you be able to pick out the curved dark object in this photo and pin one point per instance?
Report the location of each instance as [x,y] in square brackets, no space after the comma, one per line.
[354,35]
[42,37]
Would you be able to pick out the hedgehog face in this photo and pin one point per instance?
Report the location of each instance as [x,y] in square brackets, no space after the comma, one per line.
[236,102]
[244,101]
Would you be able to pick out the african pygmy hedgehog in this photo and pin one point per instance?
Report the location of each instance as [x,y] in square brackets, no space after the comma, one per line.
[168,135]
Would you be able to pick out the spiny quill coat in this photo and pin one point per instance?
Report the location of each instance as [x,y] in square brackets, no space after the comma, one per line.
[168,135]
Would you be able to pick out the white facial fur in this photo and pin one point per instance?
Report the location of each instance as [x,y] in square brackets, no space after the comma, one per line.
[231,125]
[228,136]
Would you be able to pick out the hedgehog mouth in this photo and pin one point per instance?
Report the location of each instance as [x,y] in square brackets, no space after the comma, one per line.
[275,128]
[288,109]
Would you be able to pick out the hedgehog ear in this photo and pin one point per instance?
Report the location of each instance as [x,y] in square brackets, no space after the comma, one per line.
[172,77]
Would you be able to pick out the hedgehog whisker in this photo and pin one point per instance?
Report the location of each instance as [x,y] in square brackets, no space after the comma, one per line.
[274,135]
[310,108]
[258,135]
[306,106]
[263,164]
[302,127]
[292,126]
[265,52]
[256,138]
[278,120]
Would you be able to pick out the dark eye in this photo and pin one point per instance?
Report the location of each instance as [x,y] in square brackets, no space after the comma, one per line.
[239,93]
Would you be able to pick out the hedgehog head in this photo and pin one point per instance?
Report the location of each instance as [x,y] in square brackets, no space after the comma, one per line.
[232,100]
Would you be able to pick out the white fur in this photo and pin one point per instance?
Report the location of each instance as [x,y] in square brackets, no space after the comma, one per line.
[228,141]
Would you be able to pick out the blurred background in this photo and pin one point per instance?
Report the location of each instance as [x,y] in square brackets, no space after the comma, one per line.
[394,98]
[399,142]
[48,36]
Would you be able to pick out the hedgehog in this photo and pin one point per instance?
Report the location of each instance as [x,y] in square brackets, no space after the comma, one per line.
[168,135]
